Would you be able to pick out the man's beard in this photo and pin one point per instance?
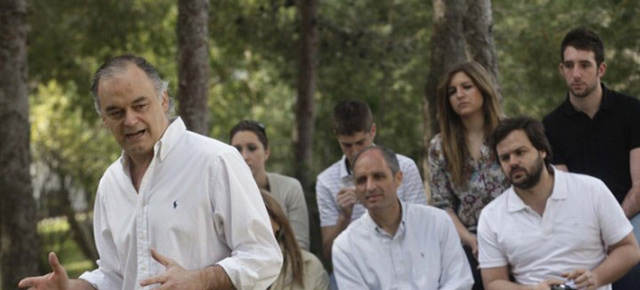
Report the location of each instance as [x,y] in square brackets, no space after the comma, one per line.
[532,178]
[587,91]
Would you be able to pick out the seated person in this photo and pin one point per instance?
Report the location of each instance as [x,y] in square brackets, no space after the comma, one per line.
[396,245]
[301,269]
[250,138]
[355,130]
[551,226]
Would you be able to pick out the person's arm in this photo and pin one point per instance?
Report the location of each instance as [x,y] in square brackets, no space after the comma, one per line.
[498,279]
[57,279]
[176,277]
[621,257]
[346,269]
[455,272]
[466,237]
[412,188]
[631,202]
[241,220]
[346,201]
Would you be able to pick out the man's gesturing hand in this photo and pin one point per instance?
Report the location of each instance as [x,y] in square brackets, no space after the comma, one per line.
[175,276]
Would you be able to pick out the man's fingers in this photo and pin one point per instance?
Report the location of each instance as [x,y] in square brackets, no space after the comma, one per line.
[153,280]
[160,258]
[27,282]
[56,267]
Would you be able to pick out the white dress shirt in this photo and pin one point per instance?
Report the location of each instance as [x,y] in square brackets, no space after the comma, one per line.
[580,221]
[195,206]
[336,176]
[424,254]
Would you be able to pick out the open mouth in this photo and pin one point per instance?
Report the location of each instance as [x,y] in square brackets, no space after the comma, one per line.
[135,134]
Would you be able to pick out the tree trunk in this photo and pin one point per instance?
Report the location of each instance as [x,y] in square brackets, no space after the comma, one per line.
[478,29]
[193,64]
[19,243]
[303,136]
[306,88]
[447,48]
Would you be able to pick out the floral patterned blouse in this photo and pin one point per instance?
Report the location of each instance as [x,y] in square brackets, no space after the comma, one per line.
[485,183]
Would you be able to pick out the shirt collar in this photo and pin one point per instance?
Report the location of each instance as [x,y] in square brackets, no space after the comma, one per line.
[344,170]
[515,203]
[605,103]
[370,224]
[165,144]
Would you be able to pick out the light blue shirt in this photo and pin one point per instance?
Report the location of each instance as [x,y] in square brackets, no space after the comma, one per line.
[425,253]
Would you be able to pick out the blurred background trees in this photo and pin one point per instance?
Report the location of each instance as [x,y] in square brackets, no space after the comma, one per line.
[381,52]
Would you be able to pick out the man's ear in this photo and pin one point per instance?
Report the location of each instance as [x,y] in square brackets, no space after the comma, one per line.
[602,69]
[165,101]
[373,131]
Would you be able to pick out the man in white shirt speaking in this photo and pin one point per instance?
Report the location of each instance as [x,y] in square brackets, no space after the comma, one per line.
[551,227]
[176,210]
[396,245]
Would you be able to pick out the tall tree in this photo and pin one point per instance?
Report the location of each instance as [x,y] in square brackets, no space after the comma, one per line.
[478,31]
[447,48]
[193,64]
[18,239]
[306,89]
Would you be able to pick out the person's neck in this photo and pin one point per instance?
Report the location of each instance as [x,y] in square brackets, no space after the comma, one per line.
[589,104]
[536,196]
[474,124]
[389,218]
[138,165]
[262,180]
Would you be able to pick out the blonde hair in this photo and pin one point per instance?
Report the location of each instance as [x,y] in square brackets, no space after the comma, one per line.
[286,238]
[452,131]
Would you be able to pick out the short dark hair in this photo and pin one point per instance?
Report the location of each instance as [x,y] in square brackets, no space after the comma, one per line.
[119,64]
[351,116]
[253,126]
[532,127]
[389,157]
[583,38]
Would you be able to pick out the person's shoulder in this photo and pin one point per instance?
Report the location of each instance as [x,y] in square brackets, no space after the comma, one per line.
[425,211]
[579,179]
[283,179]
[436,141]
[499,203]
[404,160]
[556,113]
[331,171]
[206,145]
[624,101]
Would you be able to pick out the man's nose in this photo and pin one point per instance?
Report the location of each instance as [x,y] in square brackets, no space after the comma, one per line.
[130,118]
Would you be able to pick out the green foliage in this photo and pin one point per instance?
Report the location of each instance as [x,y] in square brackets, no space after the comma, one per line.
[65,142]
[528,36]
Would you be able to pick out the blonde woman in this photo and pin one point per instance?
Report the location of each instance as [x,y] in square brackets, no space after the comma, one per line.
[301,269]
[464,176]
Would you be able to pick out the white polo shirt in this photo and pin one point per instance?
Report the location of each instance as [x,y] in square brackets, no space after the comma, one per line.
[581,220]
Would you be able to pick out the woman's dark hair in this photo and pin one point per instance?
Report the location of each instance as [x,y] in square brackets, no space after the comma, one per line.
[253,126]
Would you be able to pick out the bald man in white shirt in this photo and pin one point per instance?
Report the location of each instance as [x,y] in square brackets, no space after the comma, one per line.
[395,244]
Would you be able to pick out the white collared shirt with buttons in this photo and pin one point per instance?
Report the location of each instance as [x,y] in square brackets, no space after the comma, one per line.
[336,176]
[195,205]
[425,253]
[580,221]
